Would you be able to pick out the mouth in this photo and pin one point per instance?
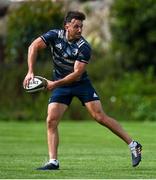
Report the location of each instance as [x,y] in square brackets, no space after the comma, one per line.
[78,34]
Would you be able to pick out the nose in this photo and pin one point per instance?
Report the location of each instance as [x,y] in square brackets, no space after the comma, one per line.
[80,29]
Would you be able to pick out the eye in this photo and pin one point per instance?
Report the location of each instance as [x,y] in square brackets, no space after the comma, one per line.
[77,26]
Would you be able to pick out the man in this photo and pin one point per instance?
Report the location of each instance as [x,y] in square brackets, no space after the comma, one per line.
[71,54]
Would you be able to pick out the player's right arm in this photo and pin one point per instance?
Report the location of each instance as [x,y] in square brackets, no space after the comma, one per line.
[33,49]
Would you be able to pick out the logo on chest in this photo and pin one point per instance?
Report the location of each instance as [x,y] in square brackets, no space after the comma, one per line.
[59,46]
[71,52]
[67,51]
[74,52]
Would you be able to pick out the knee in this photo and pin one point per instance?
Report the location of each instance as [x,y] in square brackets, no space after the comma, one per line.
[97,116]
[52,122]
[100,117]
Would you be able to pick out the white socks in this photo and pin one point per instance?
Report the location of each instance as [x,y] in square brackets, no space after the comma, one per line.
[132,145]
[54,161]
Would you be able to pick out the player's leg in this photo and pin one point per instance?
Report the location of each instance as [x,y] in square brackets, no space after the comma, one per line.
[95,109]
[58,103]
[55,112]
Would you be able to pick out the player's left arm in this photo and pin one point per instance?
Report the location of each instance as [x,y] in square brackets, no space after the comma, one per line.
[79,69]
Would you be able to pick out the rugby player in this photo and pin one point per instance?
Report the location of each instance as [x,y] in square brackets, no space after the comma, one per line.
[71,54]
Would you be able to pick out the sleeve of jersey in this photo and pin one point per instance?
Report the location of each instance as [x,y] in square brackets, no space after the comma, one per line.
[84,54]
[49,37]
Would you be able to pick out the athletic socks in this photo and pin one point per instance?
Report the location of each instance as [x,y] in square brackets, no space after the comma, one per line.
[54,161]
[132,145]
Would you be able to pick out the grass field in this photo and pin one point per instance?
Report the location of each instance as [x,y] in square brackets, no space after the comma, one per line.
[86,151]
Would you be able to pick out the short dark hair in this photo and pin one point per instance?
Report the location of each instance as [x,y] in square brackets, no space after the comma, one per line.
[74,15]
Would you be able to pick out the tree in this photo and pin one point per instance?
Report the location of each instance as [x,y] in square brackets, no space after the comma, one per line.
[27,22]
[134,34]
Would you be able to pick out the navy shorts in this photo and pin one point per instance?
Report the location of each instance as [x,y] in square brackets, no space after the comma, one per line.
[84,91]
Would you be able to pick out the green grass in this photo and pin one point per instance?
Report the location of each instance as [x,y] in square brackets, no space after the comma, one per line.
[86,151]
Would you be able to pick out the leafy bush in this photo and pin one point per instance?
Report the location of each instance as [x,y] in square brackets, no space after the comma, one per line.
[133,32]
[131,97]
[26,23]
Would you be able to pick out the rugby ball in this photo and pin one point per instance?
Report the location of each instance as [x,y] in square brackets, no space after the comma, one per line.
[37,84]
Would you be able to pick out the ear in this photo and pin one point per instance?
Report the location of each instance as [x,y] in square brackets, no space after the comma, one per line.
[66,27]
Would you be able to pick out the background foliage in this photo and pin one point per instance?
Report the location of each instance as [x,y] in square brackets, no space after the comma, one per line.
[129,95]
[134,33]
[31,20]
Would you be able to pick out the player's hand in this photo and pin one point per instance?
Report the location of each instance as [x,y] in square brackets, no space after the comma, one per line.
[50,85]
[27,79]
